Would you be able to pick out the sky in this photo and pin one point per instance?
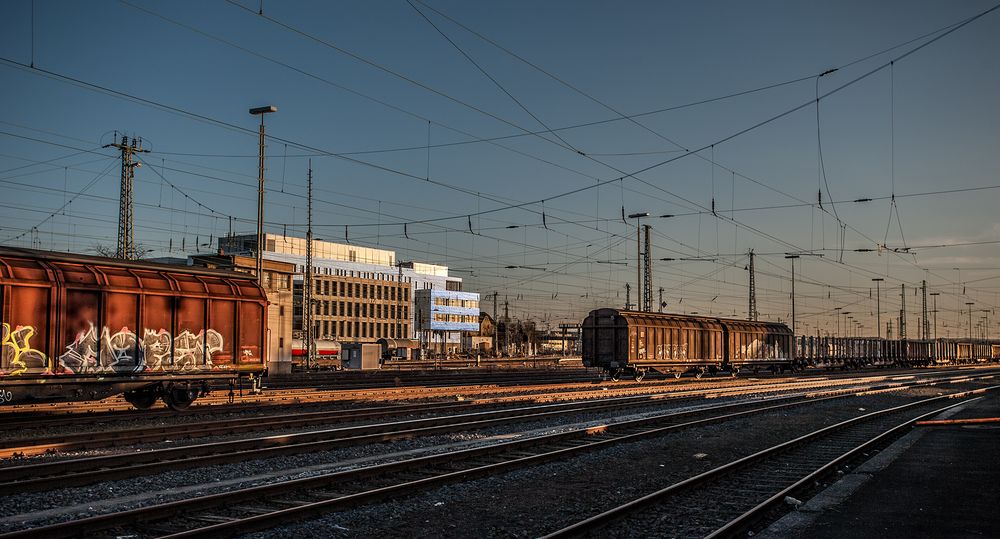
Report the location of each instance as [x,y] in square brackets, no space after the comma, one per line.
[506,140]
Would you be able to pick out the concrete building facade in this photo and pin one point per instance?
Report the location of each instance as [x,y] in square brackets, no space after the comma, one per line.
[356,309]
[374,270]
[442,316]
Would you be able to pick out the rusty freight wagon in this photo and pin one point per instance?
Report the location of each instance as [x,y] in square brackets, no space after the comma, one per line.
[79,327]
[632,343]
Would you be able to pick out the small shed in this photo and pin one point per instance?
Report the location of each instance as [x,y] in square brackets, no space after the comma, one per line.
[361,356]
[399,348]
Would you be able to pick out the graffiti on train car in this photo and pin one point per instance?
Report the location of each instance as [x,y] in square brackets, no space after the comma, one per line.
[758,349]
[17,353]
[118,352]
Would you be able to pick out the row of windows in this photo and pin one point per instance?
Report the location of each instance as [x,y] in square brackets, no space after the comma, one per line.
[451,302]
[374,275]
[362,290]
[439,317]
[364,330]
[362,310]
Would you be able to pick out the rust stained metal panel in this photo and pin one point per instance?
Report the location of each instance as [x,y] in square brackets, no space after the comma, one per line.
[251,329]
[249,289]
[150,280]
[76,274]
[189,283]
[27,271]
[26,331]
[222,320]
[157,334]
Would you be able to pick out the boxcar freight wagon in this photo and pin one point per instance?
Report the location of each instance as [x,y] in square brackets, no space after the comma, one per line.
[78,327]
[632,343]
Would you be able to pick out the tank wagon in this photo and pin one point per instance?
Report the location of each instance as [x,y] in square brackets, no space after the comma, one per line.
[632,343]
[80,327]
[327,355]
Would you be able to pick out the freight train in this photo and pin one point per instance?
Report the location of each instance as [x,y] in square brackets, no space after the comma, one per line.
[632,343]
[80,327]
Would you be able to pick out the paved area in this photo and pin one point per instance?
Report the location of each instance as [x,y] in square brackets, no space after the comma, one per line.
[934,482]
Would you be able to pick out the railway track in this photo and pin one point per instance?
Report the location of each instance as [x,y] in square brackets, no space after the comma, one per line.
[757,484]
[126,437]
[327,388]
[77,417]
[243,510]
[86,470]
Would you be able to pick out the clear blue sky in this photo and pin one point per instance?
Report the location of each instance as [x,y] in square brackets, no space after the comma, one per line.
[192,69]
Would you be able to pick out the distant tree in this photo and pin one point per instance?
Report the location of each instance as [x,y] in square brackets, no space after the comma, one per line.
[112,252]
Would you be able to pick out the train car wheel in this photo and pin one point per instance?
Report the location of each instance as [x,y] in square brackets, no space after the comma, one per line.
[639,375]
[699,373]
[142,399]
[677,374]
[615,375]
[179,398]
[734,371]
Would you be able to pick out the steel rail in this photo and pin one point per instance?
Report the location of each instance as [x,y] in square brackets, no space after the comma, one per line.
[606,518]
[566,444]
[600,436]
[90,440]
[76,472]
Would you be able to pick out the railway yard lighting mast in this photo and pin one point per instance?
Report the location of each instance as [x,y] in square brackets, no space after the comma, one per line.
[878,306]
[261,111]
[970,304]
[638,255]
[935,311]
[792,258]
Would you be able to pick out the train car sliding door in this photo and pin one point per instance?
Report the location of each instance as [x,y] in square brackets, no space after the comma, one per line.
[80,341]
[157,341]
[221,333]
[25,331]
[250,327]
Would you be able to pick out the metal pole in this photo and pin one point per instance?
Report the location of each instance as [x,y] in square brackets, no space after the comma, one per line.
[638,265]
[970,304]
[638,256]
[260,203]
[792,258]
[261,111]
[308,288]
[793,296]
[878,306]
[935,295]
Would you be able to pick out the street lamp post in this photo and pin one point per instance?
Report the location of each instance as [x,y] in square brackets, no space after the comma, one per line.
[792,258]
[878,306]
[838,309]
[261,111]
